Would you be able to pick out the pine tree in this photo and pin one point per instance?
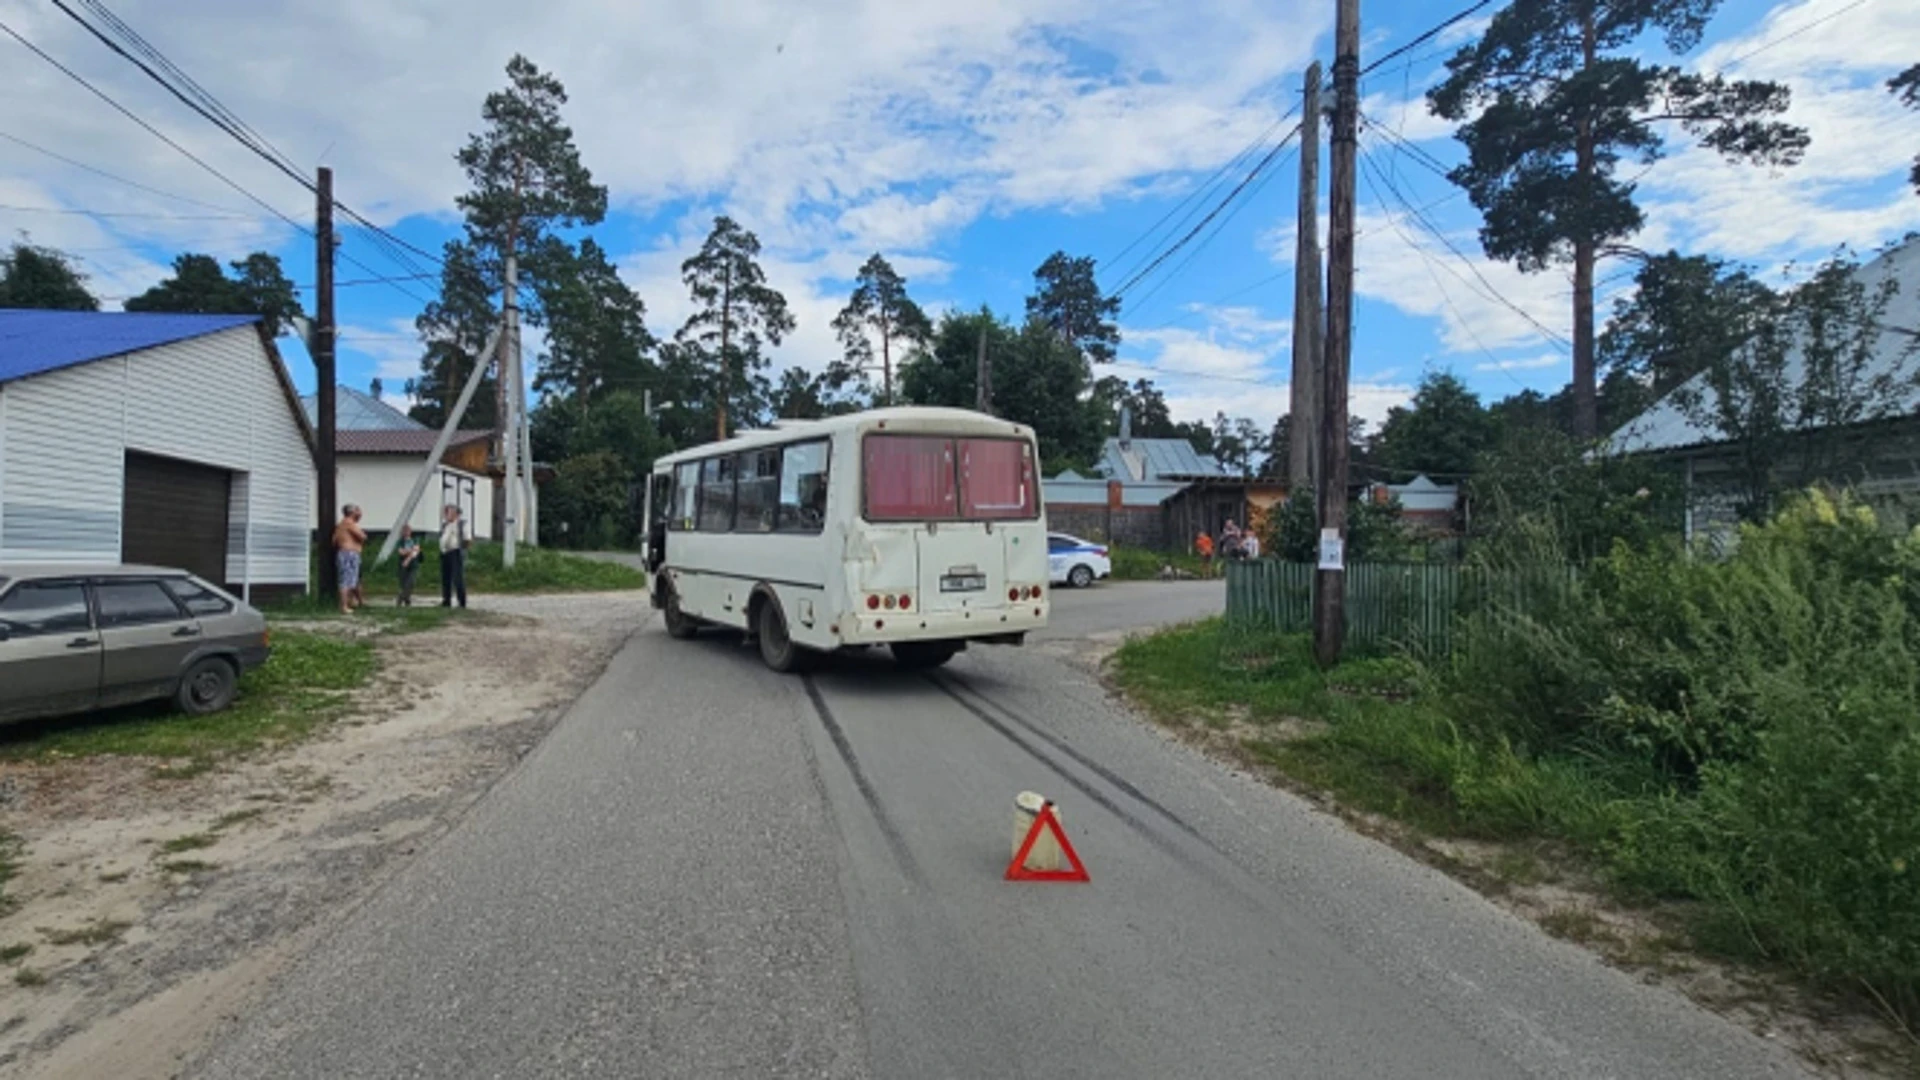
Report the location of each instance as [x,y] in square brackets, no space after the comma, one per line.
[738,315]
[1069,302]
[1552,98]
[879,305]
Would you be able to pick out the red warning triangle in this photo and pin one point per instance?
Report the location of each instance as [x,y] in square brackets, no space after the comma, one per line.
[1017,869]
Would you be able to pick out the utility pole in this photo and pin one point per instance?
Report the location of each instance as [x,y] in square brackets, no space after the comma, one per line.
[508,391]
[510,436]
[1329,593]
[1304,428]
[983,376]
[321,347]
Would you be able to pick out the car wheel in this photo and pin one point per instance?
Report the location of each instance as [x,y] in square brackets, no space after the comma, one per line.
[776,644]
[679,624]
[207,687]
[1081,576]
[922,655]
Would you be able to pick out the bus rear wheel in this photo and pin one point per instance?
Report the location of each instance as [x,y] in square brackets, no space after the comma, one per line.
[922,655]
[776,644]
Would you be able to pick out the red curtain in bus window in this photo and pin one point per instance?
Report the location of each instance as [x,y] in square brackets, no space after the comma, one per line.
[909,478]
[996,479]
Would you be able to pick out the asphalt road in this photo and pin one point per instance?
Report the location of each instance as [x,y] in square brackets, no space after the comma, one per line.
[708,870]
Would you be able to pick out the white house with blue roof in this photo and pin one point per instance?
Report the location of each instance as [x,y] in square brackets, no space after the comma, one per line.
[163,439]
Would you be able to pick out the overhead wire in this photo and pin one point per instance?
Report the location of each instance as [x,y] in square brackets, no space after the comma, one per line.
[210,108]
[1258,168]
[184,152]
[111,176]
[1198,195]
[1428,35]
[1173,274]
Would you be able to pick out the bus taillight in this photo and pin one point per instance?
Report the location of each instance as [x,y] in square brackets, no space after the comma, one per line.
[873,603]
[905,601]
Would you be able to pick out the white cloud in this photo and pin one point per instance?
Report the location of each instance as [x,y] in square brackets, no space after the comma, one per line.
[1530,363]
[836,125]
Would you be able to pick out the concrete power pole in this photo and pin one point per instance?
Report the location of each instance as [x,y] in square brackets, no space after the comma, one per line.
[983,376]
[1329,594]
[1304,428]
[321,346]
[510,433]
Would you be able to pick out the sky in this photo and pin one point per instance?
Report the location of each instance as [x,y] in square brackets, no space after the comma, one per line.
[965,142]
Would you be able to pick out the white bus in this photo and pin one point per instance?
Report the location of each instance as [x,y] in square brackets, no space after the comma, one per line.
[916,528]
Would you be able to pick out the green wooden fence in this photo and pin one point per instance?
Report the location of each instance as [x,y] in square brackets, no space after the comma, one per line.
[1393,605]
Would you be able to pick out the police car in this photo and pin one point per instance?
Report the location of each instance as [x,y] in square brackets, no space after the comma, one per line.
[1076,562]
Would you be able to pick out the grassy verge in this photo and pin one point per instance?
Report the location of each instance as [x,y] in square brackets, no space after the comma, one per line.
[1141,564]
[308,682]
[1379,738]
[535,570]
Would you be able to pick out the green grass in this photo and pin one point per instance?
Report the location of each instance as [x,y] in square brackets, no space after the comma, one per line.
[306,684]
[94,933]
[188,866]
[29,977]
[189,842]
[535,570]
[1379,743]
[1142,564]
[13,954]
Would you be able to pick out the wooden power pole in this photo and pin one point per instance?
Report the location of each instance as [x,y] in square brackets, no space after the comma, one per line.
[321,346]
[1329,593]
[1304,428]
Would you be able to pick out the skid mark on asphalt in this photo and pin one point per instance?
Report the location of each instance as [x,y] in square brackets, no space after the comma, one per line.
[888,830]
[1172,848]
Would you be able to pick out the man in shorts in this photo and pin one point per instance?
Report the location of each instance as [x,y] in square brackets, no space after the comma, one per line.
[349,539]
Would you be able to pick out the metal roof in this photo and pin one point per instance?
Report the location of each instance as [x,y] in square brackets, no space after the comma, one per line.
[419,442]
[1155,459]
[1667,426]
[355,411]
[1094,493]
[34,342]
[906,419]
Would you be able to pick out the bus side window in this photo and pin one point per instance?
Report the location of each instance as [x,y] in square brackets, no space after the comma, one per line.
[759,489]
[803,487]
[686,494]
[716,494]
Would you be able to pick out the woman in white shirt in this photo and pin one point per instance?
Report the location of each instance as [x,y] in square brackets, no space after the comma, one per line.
[453,556]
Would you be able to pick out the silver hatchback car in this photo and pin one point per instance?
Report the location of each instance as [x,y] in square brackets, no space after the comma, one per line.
[75,638]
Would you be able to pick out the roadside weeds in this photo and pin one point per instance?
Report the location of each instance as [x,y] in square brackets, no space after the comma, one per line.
[1356,744]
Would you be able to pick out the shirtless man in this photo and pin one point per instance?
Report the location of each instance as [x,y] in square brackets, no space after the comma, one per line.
[348,540]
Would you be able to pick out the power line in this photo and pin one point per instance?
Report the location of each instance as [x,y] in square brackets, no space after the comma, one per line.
[1789,36]
[125,213]
[1372,170]
[1211,214]
[1199,194]
[1202,245]
[216,113]
[184,152]
[110,176]
[1492,293]
[1429,35]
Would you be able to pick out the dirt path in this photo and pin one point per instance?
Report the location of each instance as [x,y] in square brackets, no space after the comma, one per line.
[155,908]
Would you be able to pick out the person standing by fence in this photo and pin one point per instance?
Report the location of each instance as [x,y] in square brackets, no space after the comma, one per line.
[1203,546]
[453,557]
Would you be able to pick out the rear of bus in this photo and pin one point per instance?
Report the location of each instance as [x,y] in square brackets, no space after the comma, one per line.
[949,544]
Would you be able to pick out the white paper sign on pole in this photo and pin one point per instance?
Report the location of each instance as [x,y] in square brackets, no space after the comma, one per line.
[1333,551]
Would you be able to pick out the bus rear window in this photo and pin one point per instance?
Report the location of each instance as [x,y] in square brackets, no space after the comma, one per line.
[996,479]
[909,478]
[922,478]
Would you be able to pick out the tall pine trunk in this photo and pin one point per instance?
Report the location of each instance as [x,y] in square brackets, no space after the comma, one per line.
[1586,402]
[726,334]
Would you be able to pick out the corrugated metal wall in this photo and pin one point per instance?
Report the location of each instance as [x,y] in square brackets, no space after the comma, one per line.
[213,400]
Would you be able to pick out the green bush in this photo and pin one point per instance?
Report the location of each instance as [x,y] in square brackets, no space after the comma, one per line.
[1761,713]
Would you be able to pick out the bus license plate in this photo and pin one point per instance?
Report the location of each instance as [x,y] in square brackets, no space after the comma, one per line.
[963,583]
